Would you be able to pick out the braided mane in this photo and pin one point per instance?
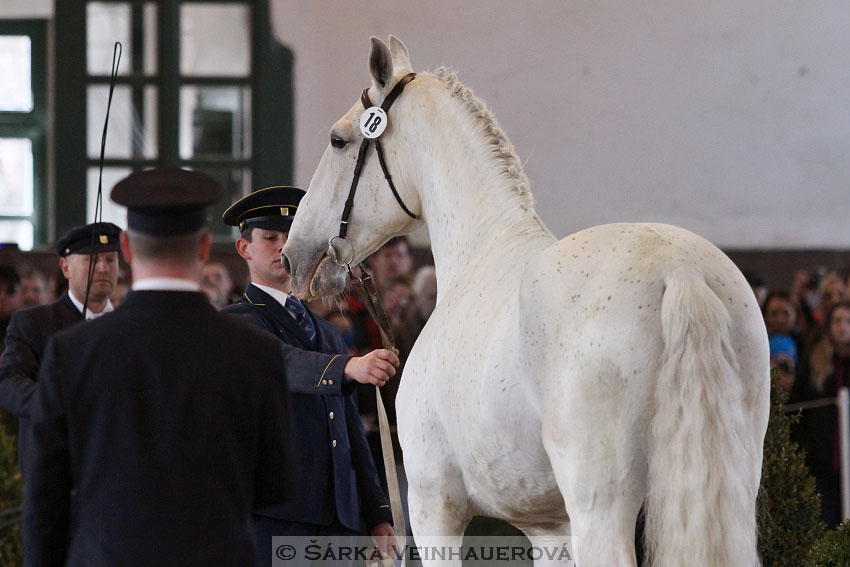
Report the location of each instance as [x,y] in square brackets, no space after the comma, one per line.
[501,149]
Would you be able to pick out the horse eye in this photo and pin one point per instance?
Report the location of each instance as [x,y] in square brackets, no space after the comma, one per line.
[338,142]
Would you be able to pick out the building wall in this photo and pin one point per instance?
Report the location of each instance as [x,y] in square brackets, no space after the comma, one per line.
[728,118]
[26,8]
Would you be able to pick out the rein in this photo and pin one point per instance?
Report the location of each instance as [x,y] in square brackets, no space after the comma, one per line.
[366,291]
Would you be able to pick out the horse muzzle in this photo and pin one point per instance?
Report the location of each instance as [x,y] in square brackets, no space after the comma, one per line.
[313,275]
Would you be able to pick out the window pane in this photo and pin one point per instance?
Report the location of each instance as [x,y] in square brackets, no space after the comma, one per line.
[107,23]
[209,48]
[237,184]
[215,122]
[150,38]
[111,211]
[16,176]
[16,71]
[18,232]
[132,128]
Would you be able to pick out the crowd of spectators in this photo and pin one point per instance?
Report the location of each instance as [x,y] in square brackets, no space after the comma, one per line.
[808,328]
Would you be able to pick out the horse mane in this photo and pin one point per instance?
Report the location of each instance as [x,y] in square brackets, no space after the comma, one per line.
[493,135]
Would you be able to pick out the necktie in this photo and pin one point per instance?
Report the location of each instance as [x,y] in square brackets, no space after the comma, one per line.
[301,317]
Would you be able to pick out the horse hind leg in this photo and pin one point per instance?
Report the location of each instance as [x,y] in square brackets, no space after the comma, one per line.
[438,525]
[603,484]
[550,545]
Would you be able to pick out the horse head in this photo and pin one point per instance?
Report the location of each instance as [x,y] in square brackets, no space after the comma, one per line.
[320,245]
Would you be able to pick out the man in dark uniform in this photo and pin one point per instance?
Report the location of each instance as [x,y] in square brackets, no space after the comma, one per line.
[339,492]
[157,429]
[29,329]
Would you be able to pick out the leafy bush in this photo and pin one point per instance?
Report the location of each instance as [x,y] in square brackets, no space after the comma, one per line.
[833,550]
[11,493]
[788,505]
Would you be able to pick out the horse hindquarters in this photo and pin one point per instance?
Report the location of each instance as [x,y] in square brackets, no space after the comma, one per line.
[705,448]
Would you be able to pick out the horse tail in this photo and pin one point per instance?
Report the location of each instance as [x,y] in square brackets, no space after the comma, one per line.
[700,508]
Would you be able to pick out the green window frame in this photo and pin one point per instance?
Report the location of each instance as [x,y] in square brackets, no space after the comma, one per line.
[269,118]
[32,124]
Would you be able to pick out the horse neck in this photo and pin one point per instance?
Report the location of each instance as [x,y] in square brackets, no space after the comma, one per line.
[475,200]
[483,239]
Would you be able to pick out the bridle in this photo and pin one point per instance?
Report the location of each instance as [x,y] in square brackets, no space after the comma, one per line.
[372,125]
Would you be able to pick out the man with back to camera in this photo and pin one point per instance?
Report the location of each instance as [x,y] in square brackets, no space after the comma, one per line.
[338,484]
[29,329]
[157,429]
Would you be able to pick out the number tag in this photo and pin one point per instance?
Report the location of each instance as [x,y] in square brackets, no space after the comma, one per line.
[373,122]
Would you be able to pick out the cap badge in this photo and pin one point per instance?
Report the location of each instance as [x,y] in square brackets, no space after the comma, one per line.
[284,211]
[104,239]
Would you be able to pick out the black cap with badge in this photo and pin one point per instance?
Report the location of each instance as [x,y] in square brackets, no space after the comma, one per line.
[166,201]
[272,208]
[89,238]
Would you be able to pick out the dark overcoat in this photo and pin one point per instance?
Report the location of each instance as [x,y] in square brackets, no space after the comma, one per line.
[26,337]
[157,430]
[336,474]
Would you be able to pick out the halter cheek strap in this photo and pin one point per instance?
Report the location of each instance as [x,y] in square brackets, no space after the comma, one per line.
[361,158]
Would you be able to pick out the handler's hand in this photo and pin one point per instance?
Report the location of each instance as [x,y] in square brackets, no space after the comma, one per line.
[375,368]
[384,537]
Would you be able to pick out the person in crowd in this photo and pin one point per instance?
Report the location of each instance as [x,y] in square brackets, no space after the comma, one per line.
[390,262]
[122,288]
[784,358]
[780,318]
[217,284]
[825,372]
[340,320]
[830,292]
[158,428]
[397,298]
[35,288]
[10,286]
[804,296]
[339,493]
[29,329]
[757,284]
[424,289]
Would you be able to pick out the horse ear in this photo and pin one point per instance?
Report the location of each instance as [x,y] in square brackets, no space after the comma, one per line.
[380,62]
[401,58]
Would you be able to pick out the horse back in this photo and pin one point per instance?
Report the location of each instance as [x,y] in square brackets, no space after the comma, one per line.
[596,295]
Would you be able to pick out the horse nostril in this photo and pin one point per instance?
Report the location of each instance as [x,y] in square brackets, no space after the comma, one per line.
[284,261]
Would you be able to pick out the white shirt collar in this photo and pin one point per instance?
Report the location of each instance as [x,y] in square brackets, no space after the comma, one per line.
[166,284]
[279,296]
[89,313]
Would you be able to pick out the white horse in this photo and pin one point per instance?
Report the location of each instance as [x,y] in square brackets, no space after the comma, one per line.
[559,385]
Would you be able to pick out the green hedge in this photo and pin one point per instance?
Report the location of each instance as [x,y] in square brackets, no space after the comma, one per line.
[833,550]
[11,494]
[788,505]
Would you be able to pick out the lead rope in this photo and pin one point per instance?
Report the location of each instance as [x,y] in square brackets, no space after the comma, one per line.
[365,290]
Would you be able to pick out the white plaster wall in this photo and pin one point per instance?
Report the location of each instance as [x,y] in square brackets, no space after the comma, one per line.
[729,118]
[26,8]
